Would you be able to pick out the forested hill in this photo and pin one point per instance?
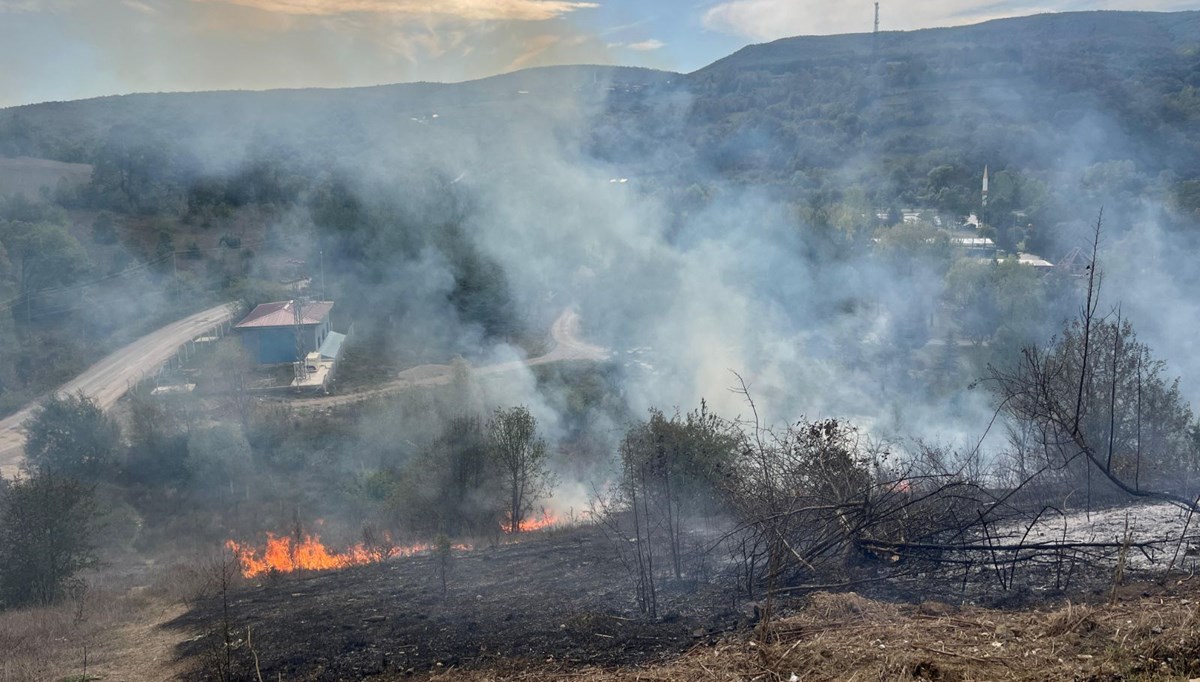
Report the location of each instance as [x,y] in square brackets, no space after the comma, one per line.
[1128,32]
[1038,93]
[1032,93]
[841,133]
[79,130]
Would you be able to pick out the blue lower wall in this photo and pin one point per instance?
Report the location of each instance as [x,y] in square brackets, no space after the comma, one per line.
[275,345]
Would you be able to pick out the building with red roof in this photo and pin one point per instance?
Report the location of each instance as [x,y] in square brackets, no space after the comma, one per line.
[269,332]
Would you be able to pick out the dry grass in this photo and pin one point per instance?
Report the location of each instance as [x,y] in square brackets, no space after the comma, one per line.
[51,643]
[25,175]
[116,623]
[848,637]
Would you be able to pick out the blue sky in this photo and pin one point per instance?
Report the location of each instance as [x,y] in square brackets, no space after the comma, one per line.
[71,49]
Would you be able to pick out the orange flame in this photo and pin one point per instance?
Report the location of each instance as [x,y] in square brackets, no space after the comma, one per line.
[545,520]
[283,555]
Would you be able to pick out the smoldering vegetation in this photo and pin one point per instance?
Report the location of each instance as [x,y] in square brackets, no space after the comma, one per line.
[820,375]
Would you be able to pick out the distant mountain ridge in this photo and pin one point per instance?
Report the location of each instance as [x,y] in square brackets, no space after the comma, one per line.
[1144,29]
[1034,93]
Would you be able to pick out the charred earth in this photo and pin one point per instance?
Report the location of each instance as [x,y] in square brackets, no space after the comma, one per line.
[559,599]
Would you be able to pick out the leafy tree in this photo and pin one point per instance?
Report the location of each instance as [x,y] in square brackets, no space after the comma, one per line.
[1103,404]
[45,538]
[914,247]
[1133,413]
[158,440]
[520,456]
[71,435]
[227,369]
[670,471]
[993,300]
[42,255]
[450,487]
[218,457]
[137,169]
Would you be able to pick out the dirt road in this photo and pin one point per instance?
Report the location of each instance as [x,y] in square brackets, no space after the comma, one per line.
[110,378]
[567,347]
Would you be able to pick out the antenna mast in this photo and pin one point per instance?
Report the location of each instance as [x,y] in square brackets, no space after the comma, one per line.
[299,301]
[301,369]
[876,17]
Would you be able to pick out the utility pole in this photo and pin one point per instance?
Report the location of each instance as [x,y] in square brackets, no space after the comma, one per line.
[875,35]
[322,274]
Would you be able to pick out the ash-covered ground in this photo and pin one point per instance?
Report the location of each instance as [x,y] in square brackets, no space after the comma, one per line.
[1158,524]
[562,600]
[559,599]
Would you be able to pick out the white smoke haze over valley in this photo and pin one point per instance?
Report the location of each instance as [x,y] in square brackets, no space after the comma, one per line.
[780,337]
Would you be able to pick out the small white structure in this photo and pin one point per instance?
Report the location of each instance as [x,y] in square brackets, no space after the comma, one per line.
[320,365]
[1033,261]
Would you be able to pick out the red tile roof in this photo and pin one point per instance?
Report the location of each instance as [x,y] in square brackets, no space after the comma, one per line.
[282,314]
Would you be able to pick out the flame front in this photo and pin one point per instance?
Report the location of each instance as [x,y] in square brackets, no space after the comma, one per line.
[539,522]
[283,554]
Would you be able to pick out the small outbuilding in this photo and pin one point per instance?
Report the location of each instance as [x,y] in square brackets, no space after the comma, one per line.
[269,331]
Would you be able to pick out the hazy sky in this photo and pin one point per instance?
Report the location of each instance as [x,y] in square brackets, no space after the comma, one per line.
[70,49]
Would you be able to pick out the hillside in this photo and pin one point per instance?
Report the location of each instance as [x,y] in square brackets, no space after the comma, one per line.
[1031,92]
[642,371]
[1069,111]
[1027,92]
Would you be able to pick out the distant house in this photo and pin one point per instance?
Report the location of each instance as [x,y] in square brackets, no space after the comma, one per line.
[269,331]
[1033,261]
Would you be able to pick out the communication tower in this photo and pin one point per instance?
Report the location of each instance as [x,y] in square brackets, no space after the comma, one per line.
[299,302]
[877,17]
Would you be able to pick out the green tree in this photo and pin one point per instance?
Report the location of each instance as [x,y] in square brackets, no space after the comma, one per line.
[219,457]
[42,255]
[520,456]
[671,471]
[996,300]
[45,538]
[450,487]
[71,435]
[158,439]
[1104,404]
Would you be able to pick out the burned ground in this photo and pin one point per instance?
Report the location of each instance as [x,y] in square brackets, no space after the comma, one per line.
[562,602]
[563,597]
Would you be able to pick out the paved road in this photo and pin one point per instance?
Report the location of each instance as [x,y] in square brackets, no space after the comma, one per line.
[567,347]
[110,378]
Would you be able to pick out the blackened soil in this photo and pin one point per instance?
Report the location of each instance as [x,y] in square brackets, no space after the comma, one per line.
[561,599]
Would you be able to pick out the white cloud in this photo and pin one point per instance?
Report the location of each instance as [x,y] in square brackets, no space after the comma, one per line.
[479,10]
[772,19]
[647,45]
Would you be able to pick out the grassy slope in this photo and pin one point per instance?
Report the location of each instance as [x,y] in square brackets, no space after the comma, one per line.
[25,175]
[1146,632]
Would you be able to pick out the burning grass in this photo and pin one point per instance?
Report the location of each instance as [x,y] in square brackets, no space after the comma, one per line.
[286,554]
[543,521]
[550,595]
